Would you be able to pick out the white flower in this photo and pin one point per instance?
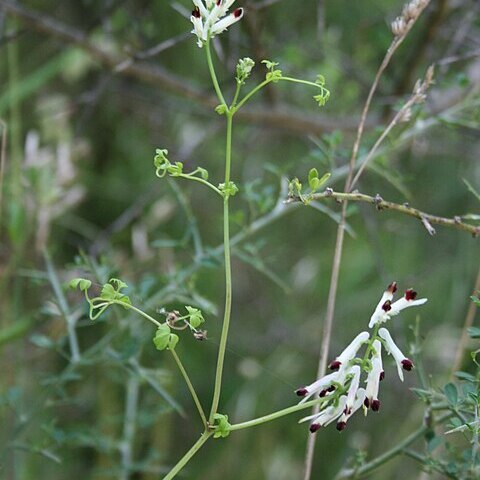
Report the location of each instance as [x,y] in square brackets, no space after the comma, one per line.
[326,416]
[359,400]
[352,389]
[350,351]
[386,309]
[374,377]
[400,359]
[210,18]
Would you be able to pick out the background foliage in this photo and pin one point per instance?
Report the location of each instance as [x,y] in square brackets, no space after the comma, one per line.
[79,183]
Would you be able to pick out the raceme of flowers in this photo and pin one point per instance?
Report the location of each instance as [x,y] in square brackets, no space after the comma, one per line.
[211,17]
[341,389]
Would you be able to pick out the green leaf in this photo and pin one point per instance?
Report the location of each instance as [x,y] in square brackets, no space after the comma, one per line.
[476,300]
[82,283]
[313,179]
[196,316]
[269,64]
[451,393]
[162,337]
[221,109]
[119,284]
[324,179]
[172,341]
[108,292]
[221,425]
[474,332]
[465,376]
[203,173]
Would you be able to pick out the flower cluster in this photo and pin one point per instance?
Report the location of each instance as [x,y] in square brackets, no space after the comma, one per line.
[411,11]
[340,390]
[211,17]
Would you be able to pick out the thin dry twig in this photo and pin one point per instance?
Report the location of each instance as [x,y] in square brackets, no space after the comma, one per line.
[380,204]
[472,310]
[3,156]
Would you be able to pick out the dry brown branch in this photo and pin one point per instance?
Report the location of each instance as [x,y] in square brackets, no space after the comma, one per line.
[282,118]
[380,204]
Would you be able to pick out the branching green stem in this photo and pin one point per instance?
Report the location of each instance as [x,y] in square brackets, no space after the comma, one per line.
[280,413]
[186,458]
[201,180]
[140,312]
[190,387]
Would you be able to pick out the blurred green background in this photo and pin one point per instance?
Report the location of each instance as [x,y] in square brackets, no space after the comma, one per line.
[89,89]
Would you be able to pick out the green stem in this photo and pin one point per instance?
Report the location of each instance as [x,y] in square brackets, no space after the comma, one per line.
[186,458]
[140,312]
[280,413]
[211,68]
[228,275]
[305,82]
[237,93]
[201,180]
[190,387]
[250,94]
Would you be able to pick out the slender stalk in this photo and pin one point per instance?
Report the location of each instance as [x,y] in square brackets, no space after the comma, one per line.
[64,308]
[129,426]
[228,275]
[237,93]
[190,387]
[186,458]
[250,94]
[472,309]
[140,312]
[279,414]
[211,68]
[201,180]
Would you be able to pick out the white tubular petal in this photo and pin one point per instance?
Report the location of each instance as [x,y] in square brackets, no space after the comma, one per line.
[373,379]
[320,384]
[216,13]
[377,345]
[201,7]
[223,24]
[379,314]
[226,4]
[197,27]
[403,303]
[353,348]
[352,390]
[361,394]
[335,413]
[393,350]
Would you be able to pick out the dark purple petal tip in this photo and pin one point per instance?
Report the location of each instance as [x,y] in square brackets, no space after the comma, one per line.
[410,294]
[407,364]
[301,392]
[341,426]
[314,427]
[375,405]
[387,306]
[335,365]
[392,288]
[382,375]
